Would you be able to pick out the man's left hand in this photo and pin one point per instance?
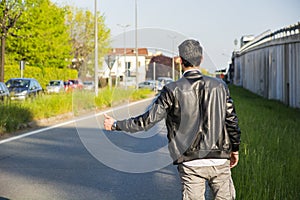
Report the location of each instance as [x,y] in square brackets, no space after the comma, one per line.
[234,159]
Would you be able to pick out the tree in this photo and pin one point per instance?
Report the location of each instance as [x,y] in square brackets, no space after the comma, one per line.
[10,12]
[81,28]
[41,37]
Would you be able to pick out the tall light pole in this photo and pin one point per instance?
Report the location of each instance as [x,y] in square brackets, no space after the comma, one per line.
[96,50]
[124,40]
[173,64]
[136,48]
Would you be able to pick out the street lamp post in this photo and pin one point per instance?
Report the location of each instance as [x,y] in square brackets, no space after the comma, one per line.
[124,40]
[136,47]
[173,64]
[96,50]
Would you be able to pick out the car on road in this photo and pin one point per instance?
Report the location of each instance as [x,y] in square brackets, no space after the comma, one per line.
[4,92]
[88,85]
[222,74]
[22,88]
[128,82]
[164,80]
[151,84]
[55,86]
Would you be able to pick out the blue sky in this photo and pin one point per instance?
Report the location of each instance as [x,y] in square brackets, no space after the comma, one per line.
[215,23]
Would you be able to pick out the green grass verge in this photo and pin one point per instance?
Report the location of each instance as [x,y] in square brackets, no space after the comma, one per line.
[269,153]
[14,113]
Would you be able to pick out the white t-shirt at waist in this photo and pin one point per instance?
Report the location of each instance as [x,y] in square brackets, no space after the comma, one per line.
[205,162]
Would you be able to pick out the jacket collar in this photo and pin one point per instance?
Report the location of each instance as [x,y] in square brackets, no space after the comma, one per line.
[191,72]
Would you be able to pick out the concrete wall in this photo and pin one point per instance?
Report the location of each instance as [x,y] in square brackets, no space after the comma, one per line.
[270,66]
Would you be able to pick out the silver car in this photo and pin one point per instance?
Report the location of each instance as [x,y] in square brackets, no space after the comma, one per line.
[55,86]
[4,93]
[88,85]
[164,80]
[151,84]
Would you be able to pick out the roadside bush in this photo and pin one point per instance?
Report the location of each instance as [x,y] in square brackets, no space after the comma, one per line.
[13,116]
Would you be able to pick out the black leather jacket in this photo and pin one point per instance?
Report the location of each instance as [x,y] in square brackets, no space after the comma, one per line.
[200,118]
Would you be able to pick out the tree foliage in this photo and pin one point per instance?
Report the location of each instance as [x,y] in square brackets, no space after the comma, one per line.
[81,24]
[45,35]
[40,37]
[10,12]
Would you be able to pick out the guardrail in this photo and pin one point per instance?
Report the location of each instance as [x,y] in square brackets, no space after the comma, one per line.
[269,36]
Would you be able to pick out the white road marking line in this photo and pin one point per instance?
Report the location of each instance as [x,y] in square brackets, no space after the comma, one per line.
[68,122]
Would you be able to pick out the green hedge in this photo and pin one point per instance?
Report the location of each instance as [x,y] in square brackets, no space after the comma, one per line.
[43,75]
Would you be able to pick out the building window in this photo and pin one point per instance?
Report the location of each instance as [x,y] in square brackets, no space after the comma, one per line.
[127,69]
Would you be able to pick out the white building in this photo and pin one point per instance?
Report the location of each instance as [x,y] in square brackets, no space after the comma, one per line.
[121,63]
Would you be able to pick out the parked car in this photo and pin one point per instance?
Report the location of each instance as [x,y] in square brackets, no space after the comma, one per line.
[73,84]
[55,86]
[151,84]
[76,84]
[88,85]
[22,88]
[128,82]
[164,80]
[4,92]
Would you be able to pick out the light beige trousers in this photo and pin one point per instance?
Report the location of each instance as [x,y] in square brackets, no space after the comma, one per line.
[195,181]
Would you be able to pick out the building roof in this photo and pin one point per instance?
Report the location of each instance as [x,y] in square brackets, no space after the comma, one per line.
[129,51]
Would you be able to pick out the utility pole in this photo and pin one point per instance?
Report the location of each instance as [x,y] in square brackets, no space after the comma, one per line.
[96,50]
[136,49]
[173,64]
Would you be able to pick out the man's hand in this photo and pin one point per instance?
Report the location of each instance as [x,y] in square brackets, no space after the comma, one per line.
[234,159]
[108,122]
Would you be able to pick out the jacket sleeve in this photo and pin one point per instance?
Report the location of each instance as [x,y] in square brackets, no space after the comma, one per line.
[156,112]
[231,122]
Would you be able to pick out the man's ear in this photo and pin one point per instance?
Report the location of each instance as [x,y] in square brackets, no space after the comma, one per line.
[201,59]
[180,60]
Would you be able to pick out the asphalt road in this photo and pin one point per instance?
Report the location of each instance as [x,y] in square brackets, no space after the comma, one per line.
[79,160]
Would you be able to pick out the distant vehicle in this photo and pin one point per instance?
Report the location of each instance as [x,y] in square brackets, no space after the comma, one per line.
[151,84]
[88,85]
[76,84]
[246,39]
[72,84]
[22,88]
[128,82]
[222,74]
[55,86]
[4,92]
[164,80]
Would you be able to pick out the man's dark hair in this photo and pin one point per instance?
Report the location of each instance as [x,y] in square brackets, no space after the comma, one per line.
[190,52]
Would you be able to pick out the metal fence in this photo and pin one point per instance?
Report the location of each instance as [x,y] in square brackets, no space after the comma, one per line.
[270,65]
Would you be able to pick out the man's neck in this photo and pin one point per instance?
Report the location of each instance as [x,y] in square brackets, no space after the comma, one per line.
[187,69]
[191,68]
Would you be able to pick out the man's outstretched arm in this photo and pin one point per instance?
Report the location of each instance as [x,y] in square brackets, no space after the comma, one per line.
[155,113]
